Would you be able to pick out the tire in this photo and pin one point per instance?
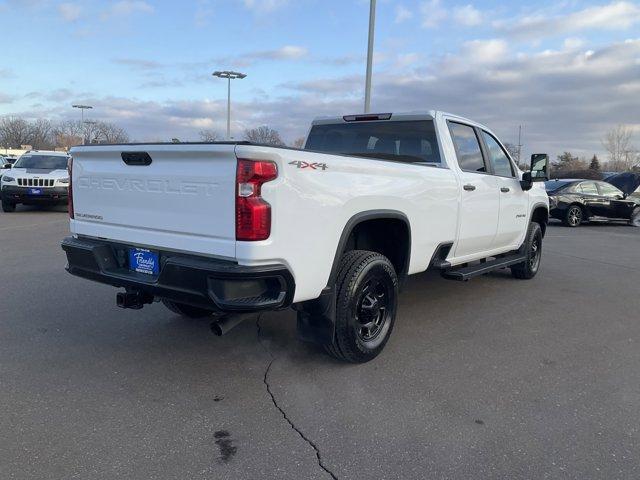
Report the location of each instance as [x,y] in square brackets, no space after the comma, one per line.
[574,216]
[635,217]
[366,303]
[188,311]
[533,248]
[8,207]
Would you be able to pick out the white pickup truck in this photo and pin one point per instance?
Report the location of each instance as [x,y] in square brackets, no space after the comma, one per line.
[332,230]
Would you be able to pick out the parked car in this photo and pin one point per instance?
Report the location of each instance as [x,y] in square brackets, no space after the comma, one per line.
[39,177]
[332,230]
[575,201]
[4,165]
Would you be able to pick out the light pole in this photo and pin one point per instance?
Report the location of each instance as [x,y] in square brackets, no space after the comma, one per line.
[229,76]
[82,109]
[367,85]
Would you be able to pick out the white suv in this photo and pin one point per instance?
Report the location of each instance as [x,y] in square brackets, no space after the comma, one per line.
[39,177]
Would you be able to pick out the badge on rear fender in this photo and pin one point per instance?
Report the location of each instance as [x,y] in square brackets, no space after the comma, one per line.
[311,166]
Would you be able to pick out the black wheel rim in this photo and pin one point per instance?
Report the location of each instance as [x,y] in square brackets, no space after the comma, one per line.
[575,216]
[535,252]
[373,310]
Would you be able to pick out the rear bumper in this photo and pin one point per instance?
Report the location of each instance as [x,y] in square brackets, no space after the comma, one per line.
[222,286]
[49,195]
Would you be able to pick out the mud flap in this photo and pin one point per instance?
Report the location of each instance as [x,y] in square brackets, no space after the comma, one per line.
[317,318]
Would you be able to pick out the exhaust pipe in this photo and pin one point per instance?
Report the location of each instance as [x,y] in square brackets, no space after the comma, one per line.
[227,322]
[133,299]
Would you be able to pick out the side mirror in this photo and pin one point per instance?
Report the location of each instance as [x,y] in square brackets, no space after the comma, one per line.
[526,183]
[539,167]
[6,165]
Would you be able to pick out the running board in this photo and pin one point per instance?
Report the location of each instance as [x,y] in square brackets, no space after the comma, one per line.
[466,273]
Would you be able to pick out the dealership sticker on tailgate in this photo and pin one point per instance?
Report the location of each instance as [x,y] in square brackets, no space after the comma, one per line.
[144,261]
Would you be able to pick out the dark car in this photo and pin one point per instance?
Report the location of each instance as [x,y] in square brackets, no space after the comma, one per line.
[578,200]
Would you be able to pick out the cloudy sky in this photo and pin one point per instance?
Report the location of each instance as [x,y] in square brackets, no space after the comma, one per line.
[567,71]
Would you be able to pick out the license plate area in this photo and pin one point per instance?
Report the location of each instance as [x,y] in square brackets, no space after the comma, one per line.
[35,191]
[145,261]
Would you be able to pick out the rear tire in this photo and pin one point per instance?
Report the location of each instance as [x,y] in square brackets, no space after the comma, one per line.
[366,302]
[635,217]
[8,207]
[188,311]
[533,248]
[574,216]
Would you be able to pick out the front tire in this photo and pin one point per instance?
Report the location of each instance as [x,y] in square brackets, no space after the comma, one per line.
[8,207]
[188,311]
[533,249]
[574,216]
[366,302]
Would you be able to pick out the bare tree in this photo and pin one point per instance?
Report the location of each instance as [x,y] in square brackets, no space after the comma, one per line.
[299,142]
[14,132]
[109,133]
[41,134]
[265,135]
[68,133]
[622,154]
[208,135]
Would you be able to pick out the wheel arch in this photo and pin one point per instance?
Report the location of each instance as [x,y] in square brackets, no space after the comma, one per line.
[361,224]
[540,215]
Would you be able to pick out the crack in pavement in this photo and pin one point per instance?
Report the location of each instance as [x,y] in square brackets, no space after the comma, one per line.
[280,409]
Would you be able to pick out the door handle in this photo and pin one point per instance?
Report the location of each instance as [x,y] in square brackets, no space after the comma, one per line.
[505,189]
[469,188]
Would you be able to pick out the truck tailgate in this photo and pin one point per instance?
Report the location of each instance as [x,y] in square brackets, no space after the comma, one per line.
[183,200]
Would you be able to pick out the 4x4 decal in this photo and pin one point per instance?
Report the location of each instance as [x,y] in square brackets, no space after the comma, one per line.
[312,166]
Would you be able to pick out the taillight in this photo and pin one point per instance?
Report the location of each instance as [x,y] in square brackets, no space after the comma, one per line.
[253,214]
[70,168]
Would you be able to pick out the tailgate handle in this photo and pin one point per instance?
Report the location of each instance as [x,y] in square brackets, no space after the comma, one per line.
[136,158]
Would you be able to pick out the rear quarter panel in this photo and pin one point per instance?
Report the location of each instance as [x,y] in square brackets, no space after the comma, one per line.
[311,207]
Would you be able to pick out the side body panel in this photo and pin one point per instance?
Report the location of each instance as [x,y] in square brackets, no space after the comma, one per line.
[311,208]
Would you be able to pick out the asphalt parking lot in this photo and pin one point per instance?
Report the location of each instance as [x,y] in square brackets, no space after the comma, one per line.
[495,378]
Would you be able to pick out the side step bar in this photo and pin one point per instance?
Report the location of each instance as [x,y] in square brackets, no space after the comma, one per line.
[466,273]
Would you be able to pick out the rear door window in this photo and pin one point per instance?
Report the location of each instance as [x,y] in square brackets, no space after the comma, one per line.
[588,188]
[467,147]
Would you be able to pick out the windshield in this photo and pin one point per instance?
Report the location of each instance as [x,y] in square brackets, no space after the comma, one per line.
[555,185]
[406,141]
[49,162]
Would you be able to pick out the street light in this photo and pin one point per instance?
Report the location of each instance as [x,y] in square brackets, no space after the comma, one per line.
[229,76]
[82,109]
[367,85]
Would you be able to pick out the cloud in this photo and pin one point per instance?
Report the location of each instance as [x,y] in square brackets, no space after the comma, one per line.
[138,63]
[264,6]
[6,98]
[433,13]
[612,16]
[566,99]
[467,16]
[403,14]
[70,12]
[203,14]
[125,8]
[285,53]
